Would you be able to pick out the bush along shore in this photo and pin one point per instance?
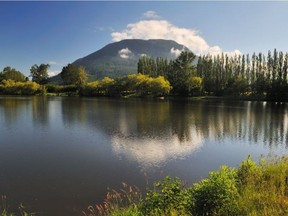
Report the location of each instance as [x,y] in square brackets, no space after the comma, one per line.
[250,189]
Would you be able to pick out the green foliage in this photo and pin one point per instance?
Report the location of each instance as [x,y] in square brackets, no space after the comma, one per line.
[72,75]
[69,74]
[98,88]
[216,195]
[194,86]
[249,190]
[10,87]
[263,188]
[82,77]
[248,171]
[181,73]
[39,73]
[62,90]
[144,85]
[147,65]
[139,84]
[168,196]
[159,86]
[236,86]
[9,73]
[264,78]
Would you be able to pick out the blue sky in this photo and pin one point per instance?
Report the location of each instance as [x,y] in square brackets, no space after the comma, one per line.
[58,33]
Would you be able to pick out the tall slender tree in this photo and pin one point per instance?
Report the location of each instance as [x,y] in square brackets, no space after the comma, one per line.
[182,70]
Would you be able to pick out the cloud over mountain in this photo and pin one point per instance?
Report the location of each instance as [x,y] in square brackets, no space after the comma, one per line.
[163,29]
[125,53]
[53,73]
[176,52]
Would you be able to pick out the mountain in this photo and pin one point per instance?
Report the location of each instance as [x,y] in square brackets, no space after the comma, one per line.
[121,58]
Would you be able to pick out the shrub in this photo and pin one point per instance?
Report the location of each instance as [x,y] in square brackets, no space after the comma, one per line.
[217,194]
[10,87]
[168,196]
[263,188]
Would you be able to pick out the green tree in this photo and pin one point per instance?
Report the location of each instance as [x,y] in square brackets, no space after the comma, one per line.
[159,86]
[147,65]
[82,77]
[236,86]
[69,74]
[139,83]
[72,75]
[195,86]
[12,74]
[39,73]
[182,70]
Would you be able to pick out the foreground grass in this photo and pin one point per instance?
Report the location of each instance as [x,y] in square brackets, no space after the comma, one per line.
[251,189]
[4,212]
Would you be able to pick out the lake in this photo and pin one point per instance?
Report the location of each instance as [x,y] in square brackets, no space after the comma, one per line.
[58,155]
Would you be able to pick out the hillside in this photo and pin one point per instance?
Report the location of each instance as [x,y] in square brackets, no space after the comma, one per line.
[121,58]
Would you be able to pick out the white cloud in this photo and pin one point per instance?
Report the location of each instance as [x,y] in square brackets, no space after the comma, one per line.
[162,29]
[52,62]
[151,15]
[53,73]
[175,52]
[125,53]
[234,52]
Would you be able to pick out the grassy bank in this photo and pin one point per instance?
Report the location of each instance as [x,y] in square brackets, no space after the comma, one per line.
[250,189]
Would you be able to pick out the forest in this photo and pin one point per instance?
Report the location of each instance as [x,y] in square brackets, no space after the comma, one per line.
[258,77]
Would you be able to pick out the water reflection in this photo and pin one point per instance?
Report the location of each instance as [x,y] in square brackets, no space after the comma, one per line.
[157,123]
[152,132]
[156,151]
[158,135]
[40,111]
[12,110]
[74,111]
[139,126]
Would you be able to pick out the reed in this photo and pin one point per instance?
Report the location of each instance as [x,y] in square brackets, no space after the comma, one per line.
[4,210]
[118,202]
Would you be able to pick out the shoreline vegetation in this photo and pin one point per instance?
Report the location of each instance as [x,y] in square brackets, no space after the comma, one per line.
[251,189]
[239,77]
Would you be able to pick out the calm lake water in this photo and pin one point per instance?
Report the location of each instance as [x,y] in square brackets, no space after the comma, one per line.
[59,155]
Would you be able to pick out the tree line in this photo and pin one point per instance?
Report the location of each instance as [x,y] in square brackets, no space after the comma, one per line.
[181,73]
[256,77]
[74,82]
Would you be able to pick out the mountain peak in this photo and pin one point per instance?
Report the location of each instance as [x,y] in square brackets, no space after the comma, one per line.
[121,58]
